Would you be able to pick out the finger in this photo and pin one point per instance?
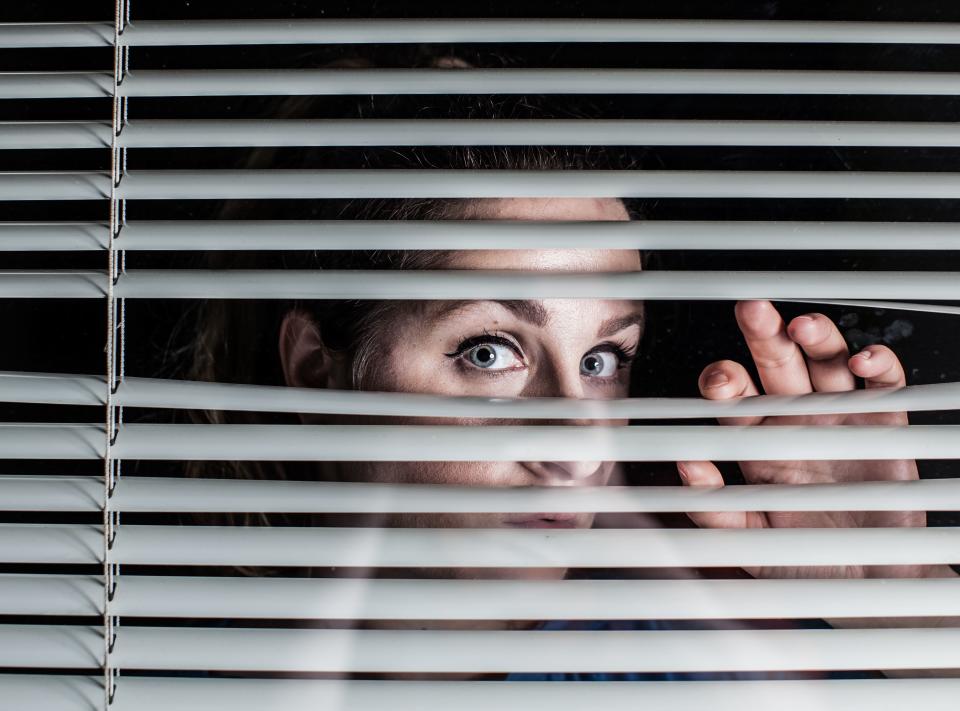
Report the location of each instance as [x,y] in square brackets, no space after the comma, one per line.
[879,367]
[826,352]
[726,379]
[780,362]
[707,474]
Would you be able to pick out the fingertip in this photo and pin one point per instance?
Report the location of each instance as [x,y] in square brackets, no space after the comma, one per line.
[720,380]
[753,314]
[699,473]
[804,329]
[879,366]
[872,359]
[752,307]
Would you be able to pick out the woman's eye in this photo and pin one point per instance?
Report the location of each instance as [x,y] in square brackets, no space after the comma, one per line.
[493,356]
[602,364]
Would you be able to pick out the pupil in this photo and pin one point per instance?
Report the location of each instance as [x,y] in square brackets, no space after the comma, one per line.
[591,363]
[484,355]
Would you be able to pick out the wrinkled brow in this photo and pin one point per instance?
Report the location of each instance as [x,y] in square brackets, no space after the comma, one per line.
[530,311]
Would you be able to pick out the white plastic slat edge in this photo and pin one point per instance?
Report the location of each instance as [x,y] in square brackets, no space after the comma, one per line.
[349,82]
[197,235]
[485,651]
[53,692]
[302,695]
[541,443]
[481,548]
[68,389]
[241,133]
[438,599]
[526,234]
[416,183]
[54,236]
[144,33]
[422,183]
[590,651]
[80,595]
[81,693]
[165,494]
[819,287]
[539,81]
[475,444]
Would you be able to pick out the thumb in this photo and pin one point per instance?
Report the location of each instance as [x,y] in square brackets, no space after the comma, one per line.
[706,474]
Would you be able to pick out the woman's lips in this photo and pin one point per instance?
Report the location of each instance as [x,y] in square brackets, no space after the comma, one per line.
[544,520]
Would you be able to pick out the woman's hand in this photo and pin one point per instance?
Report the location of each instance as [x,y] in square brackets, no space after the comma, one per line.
[807,355]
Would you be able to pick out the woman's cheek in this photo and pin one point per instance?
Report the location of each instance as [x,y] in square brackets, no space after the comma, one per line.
[460,473]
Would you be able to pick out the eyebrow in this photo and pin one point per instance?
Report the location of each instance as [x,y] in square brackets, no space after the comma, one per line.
[618,323]
[526,310]
[533,312]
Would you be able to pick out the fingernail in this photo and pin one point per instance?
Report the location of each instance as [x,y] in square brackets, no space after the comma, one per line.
[716,379]
[865,354]
[684,474]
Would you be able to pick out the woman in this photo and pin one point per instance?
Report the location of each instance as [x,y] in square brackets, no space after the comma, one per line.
[550,348]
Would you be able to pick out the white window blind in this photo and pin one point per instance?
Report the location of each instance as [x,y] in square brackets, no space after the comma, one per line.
[93,617]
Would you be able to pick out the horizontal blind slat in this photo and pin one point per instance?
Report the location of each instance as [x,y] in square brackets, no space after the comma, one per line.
[345,82]
[150,694]
[50,595]
[486,651]
[144,33]
[54,236]
[421,183]
[15,35]
[265,235]
[64,389]
[439,183]
[474,234]
[386,31]
[484,284]
[56,85]
[45,135]
[242,133]
[52,692]
[210,495]
[475,444]
[55,186]
[480,548]
[166,494]
[352,82]
[139,693]
[425,599]
[653,651]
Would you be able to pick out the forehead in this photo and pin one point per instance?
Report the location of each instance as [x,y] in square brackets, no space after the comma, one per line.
[548,209]
[547,260]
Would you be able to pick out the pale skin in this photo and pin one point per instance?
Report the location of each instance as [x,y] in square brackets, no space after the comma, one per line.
[565,348]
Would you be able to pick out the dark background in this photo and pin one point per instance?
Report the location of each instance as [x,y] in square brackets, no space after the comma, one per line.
[68,336]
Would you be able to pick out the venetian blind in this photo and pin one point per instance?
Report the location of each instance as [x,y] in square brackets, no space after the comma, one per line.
[107,630]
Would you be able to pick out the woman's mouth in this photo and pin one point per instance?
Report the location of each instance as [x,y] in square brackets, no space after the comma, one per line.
[544,520]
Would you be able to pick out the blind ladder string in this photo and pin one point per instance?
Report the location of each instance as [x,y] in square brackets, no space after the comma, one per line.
[115,362]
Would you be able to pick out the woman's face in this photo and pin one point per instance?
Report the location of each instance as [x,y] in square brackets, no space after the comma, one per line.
[572,348]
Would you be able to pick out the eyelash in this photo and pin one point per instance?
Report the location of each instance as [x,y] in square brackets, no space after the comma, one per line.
[625,356]
[466,343]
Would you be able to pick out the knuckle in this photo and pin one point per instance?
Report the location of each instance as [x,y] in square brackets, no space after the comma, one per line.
[776,362]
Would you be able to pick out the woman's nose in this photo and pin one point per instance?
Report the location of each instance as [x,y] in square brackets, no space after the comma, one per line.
[565,385]
[564,473]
